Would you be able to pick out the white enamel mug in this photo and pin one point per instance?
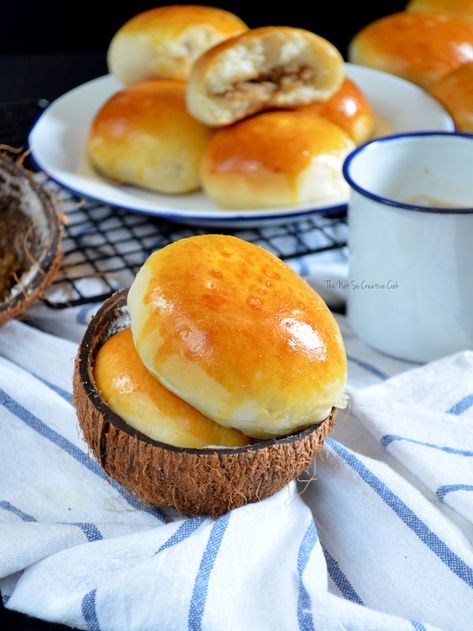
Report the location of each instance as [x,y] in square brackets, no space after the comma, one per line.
[410,215]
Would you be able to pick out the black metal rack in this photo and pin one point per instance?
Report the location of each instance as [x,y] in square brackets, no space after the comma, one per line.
[104,247]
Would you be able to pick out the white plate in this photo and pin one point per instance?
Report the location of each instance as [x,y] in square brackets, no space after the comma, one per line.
[58,142]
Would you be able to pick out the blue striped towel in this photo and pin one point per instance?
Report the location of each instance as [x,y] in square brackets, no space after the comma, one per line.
[381,540]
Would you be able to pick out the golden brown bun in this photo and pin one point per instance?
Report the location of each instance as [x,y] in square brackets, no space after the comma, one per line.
[464,8]
[163,43]
[132,392]
[237,334]
[348,108]
[455,92]
[420,47]
[143,135]
[276,159]
[274,66]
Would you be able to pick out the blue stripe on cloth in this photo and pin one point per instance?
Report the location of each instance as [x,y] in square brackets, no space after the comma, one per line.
[340,580]
[407,515]
[90,530]
[201,585]
[184,531]
[5,599]
[16,511]
[390,438]
[89,611]
[67,396]
[369,367]
[304,605]
[418,626]
[442,491]
[60,441]
[461,406]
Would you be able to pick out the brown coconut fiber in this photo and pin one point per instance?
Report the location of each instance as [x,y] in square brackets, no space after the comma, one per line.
[30,239]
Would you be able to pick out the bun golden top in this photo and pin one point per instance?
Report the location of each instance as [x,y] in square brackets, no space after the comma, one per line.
[455,92]
[348,108]
[464,8]
[420,47]
[237,334]
[267,67]
[163,43]
[275,159]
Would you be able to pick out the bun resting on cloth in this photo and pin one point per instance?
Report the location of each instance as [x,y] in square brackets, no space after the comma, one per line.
[267,67]
[463,8]
[163,43]
[237,334]
[276,159]
[144,136]
[420,47]
[348,108]
[132,392]
[455,92]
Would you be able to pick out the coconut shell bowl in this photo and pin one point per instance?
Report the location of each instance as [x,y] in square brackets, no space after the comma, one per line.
[30,236]
[208,481]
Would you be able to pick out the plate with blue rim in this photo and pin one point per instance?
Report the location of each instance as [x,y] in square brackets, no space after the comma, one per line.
[58,147]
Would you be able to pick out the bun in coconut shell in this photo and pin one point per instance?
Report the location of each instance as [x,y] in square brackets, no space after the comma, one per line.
[463,8]
[266,67]
[455,92]
[348,108]
[276,159]
[194,481]
[420,47]
[236,333]
[163,43]
[132,392]
[143,135]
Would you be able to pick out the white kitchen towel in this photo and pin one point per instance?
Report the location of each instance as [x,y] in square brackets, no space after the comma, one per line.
[380,540]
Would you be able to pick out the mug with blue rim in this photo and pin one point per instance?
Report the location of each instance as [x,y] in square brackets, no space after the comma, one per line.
[411,244]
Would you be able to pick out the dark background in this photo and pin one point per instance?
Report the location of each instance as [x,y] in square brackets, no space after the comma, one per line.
[47,48]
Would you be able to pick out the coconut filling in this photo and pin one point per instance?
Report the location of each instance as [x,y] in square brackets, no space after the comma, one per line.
[252,93]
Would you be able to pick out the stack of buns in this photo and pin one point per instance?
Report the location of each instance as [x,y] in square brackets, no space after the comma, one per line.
[227,342]
[431,44]
[191,70]
[418,46]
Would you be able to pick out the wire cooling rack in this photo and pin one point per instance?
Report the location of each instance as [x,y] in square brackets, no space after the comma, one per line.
[103,247]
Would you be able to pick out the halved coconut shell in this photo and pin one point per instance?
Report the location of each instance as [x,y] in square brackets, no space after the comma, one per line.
[194,481]
[30,237]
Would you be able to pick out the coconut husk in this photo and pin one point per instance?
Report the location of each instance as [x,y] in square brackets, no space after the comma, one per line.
[30,238]
[208,481]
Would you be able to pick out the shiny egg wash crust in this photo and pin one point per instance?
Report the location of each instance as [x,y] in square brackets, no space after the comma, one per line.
[275,148]
[131,391]
[173,20]
[253,142]
[251,337]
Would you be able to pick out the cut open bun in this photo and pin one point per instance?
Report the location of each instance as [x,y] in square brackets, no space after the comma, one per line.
[260,69]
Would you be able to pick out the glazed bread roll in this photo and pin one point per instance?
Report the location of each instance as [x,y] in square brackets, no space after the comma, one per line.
[236,333]
[276,159]
[464,8]
[260,69]
[132,392]
[455,92]
[348,108]
[163,43]
[420,47]
[143,135]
